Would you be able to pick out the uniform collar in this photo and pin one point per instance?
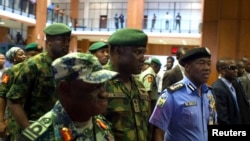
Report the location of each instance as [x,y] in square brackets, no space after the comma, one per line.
[192,88]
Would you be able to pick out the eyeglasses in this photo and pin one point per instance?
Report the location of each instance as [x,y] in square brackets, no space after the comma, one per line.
[231,67]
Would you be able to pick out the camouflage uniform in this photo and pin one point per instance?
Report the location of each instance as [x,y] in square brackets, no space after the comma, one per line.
[59,119]
[8,78]
[147,77]
[128,111]
[35,86]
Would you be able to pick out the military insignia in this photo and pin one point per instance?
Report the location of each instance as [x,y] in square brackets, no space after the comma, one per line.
[175,87]
[191,103]
[161,101]
[66,134]
[150,79]
[136,105]
[101,124]
[211,101]
[191,87]
[5,78]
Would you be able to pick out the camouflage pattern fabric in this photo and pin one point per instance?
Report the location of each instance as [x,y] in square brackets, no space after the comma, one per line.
[9,77]
[81,66]
[35,84]
[128,111]
[61,120]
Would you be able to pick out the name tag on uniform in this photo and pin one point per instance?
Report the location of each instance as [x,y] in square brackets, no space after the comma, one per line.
[191,103]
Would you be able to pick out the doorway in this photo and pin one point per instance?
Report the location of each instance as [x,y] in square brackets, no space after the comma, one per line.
[103,21]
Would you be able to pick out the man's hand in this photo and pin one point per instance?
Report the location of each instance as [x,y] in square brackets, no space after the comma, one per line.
[3,128]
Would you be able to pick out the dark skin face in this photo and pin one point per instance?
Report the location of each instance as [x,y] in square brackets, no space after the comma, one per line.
[58,46]
[230,71]
[128,60]
[102,55]
[19,56]
[241,68]
[82,100]
[31,53]
[170,64]
[198,70]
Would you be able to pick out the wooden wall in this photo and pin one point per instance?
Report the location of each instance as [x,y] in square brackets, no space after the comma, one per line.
[226,30]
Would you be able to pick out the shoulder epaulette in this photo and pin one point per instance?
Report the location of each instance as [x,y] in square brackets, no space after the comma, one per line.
[175,87]
[37,128]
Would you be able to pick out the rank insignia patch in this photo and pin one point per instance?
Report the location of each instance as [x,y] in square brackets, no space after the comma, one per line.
[5,78]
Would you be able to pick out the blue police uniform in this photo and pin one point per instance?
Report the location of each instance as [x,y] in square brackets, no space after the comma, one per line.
[182,113]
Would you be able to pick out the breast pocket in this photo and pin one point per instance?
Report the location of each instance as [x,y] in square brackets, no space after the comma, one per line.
[46,86]
[189,117]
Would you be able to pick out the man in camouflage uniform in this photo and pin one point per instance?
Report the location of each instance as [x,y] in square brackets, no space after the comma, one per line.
[8,78]
[129,103]
[82,98]
[100,50]
[33,91]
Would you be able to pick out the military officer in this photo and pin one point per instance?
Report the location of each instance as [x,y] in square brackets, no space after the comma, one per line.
[82,98]
[33,92]
[33,49]
[8,78]
[100,50]
[148,78]
[182,111]
[129,103]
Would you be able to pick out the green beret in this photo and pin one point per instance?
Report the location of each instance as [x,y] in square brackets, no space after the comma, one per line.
[156,61]
[195,53]
[57,29]
[128,37]
[31,46]
[97,45]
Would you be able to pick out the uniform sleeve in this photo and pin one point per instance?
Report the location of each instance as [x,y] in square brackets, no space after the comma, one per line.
[7,79]
[162,113]
[147,81]
[23,81]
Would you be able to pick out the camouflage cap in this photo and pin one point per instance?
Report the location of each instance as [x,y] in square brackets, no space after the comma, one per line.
[156,61]
[128,37]
[97,45]
[57,29]
[83,66]
[32,46]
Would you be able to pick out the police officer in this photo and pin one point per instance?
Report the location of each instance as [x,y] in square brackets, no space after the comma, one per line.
[128,108]
[182,111]
[82,98]
[8,77]
[33,92]
[100,50]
